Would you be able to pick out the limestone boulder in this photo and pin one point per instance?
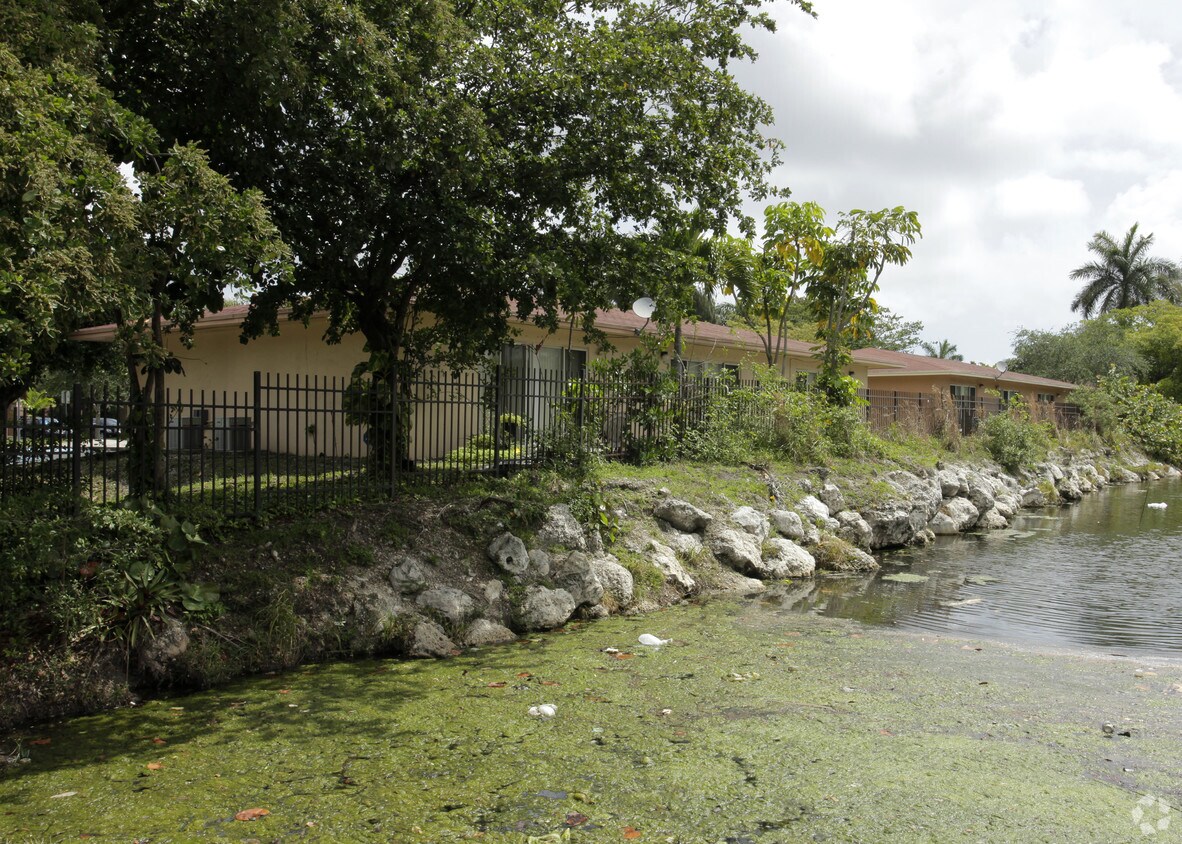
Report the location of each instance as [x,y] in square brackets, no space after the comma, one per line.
[509,553]
[787,523]
[951,482]
[832,497]
[409,576]
[783,558]
[734,548]
[483,632]
[979,491]
[573,573]
[447,604]
[428,640]
[682,515]
[616,580]
[687,544]
[854,529]
[544,609]
[751,521]
[1068,489]
[560,531]
[835,554]
[917,491]
[812,509]
[991,520]
[158,653]
[539,563]
[955,515]
[665,559]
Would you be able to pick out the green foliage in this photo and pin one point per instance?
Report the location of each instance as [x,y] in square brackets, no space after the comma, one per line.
[766,281]
[1079,353]
[101,572]
[466,161]
[1124,274]
[1151,420]
[646,403]
[863,245]
[1012,439]
[769,420]
[945,350]
[891,331]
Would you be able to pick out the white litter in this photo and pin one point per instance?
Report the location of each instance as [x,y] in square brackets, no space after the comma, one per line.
[1157,505]
[545,710]
[652,641]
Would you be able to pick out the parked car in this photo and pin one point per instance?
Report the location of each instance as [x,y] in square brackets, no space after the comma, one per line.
[104,428]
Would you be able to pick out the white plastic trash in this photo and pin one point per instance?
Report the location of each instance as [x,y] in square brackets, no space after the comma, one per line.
[652,641]
[545,710]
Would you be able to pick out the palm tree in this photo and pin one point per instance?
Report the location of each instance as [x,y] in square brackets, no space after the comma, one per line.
[946,350]
[1124,275]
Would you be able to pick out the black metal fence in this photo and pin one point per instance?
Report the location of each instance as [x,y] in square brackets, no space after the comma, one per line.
[308,440]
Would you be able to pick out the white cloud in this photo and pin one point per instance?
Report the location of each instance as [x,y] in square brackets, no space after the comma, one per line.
[1016,129]
[1040,195]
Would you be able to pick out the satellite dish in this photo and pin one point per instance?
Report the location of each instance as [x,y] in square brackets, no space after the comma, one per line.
[1002,367]
[644,307]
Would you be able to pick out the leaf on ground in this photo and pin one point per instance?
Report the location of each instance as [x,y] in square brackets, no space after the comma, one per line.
[40,741]
[575,818]
[154,766]
[631,832]
[524,675]
[550,683]
[251,814]
[499,684]
[63,794]
[158,740]
[905,577]
[285,691]
[885,733]
[624,656]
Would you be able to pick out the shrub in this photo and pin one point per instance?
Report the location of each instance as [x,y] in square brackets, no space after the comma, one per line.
[1012,439]
[1151,420]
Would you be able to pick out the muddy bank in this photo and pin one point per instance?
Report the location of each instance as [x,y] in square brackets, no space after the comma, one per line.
[751,725]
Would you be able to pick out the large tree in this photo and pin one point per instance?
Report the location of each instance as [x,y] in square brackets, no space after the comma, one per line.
[79,244]
[864,244]
[438,166]
[767,281]
[1124,274]
[67,214]
[1079,353]
[893,332]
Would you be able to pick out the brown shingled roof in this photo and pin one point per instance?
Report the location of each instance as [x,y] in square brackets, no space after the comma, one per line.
[902,365]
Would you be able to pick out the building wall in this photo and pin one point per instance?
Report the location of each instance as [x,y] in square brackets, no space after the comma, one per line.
[925,384]
[303,376]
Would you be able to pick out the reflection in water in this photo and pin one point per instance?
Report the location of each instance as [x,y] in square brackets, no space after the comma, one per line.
[1102,574]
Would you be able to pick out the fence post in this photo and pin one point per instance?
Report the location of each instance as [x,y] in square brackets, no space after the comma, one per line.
[395,387]
[258,444]
[497,396]
[76,446]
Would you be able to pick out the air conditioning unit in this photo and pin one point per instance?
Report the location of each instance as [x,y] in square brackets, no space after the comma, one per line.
[186,434]
[232,433]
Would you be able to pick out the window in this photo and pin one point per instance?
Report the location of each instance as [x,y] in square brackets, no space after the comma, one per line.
[1046,398]
[707,369]
[1008,395]
[961,393]
[805,381]
[523,359]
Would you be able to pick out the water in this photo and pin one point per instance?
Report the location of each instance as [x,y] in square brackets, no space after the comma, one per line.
[1103,575]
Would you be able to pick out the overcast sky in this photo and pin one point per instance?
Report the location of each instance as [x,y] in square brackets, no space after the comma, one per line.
[1015,129]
